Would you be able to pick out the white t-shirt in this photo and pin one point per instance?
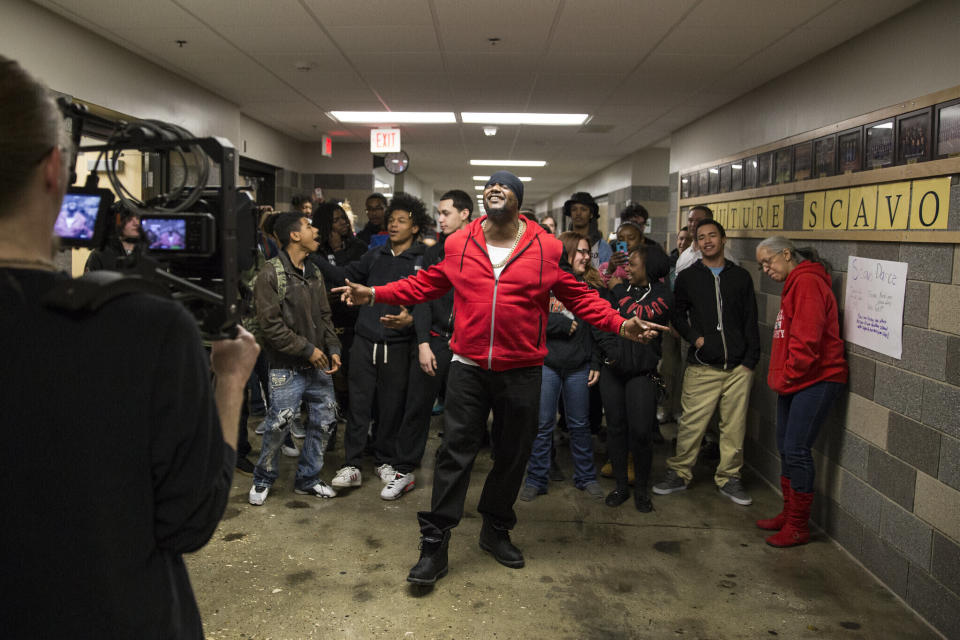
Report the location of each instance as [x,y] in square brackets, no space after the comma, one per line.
[497,255]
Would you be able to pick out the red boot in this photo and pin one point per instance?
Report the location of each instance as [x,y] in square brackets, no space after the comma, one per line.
[776,522]
[797,529]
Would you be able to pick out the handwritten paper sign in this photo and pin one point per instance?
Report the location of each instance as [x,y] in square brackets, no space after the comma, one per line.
[873,305]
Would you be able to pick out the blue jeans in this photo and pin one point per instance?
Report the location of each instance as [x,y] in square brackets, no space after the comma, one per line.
[799,416]
[576,403]
[288,388]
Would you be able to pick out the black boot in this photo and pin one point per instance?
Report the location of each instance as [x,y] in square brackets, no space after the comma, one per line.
[497,542]
[642,461]
[617,497]
[433,560]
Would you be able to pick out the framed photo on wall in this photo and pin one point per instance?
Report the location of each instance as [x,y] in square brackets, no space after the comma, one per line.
[914,136]
[783,165]
[879,145]
[765,169]
[849,155]
[725,181]
[736,175]
[704,181]
[803,161]
[948,129]
[825,156]
[750,172]
[685,186]
[714,180]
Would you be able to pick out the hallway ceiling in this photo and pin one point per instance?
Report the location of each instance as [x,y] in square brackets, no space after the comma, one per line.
[640,68]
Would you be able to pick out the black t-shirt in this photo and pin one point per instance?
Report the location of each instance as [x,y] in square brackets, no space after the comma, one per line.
[115,465]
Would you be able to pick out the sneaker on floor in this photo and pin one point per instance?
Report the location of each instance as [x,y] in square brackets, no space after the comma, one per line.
[297,430]
[290,451]
[401,483]
[670,483]
[735,491]
[529,492]
[244,466]
[594,490]
[386,473]
[258,495]
[320,490]
[346,477]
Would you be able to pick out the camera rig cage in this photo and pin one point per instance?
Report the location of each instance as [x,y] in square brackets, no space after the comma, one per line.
[201,267]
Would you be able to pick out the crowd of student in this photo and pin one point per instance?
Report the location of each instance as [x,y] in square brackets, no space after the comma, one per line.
[389,362]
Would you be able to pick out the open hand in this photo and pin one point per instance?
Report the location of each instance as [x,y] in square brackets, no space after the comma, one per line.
[354,294]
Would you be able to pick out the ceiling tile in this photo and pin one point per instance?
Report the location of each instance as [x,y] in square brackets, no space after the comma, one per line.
[369,39]
[617,26]
[385,13]
[762,14]
[467,26]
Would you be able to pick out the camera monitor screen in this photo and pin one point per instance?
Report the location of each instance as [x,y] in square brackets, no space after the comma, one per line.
[77,220]
[166,234]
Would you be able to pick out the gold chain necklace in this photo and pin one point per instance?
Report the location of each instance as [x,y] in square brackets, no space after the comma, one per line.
[521,227]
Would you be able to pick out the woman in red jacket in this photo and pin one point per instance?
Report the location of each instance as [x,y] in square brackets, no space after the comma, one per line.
[807,369]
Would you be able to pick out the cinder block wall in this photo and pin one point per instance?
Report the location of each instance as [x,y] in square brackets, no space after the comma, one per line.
[888,460]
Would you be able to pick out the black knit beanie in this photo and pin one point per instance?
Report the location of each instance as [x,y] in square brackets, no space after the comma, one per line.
[510,181]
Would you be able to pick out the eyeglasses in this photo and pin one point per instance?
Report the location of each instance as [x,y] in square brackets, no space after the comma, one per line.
[766,262]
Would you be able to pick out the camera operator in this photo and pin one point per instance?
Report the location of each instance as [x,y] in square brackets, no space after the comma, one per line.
[123,248]
[120,462]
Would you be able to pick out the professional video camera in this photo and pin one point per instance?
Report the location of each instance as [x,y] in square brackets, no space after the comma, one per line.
[202,237]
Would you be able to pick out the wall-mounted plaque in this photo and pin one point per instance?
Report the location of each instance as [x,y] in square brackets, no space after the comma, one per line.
[725,181]
[948,129]
[736,175]
[703,178]
[913,137]
[803,161]
[783,165]
[825,156]
[715,180]
[849,156]
[685,186]
[750,172]
[765,169]
[878,144]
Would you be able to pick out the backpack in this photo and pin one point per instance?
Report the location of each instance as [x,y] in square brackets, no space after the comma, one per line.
[249,279]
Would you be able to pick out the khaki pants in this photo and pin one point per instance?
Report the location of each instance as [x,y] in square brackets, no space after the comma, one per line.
[703,388]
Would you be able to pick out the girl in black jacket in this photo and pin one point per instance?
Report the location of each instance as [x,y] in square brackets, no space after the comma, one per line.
[628,377]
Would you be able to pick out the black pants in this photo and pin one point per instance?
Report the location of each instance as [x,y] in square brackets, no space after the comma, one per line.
[421,394]
[630,403]
[472,392]
[378,372]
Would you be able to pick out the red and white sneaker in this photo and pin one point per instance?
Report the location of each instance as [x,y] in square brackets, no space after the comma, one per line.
[401,483]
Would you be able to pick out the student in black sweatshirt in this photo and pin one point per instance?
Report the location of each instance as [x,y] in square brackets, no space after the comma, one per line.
[629,382]
[384,342]
[716,313]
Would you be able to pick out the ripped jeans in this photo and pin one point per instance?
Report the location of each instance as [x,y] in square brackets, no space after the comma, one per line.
[288,388]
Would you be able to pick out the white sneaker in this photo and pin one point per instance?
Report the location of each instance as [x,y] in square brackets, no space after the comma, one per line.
[320,490]
[258,495]
[401,483]
[347,477]
[290,452]
[386,473]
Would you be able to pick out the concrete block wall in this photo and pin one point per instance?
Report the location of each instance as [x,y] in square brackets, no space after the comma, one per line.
[888,459]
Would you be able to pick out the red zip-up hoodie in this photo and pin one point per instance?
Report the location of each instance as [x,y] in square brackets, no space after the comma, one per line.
[501,323]
[807,347]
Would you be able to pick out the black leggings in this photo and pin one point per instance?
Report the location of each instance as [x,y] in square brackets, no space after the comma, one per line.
[630,404]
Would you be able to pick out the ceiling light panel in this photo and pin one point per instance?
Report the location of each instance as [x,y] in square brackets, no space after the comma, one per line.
[508,163]
[395,117]
[555,119]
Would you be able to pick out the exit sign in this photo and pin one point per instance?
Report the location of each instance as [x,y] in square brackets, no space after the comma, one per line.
[384,140]
[326,147]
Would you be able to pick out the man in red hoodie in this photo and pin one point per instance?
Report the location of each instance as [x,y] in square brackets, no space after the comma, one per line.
[502,269]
